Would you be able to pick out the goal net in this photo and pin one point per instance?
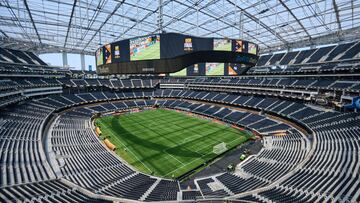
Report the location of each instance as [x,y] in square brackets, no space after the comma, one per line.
[219,148]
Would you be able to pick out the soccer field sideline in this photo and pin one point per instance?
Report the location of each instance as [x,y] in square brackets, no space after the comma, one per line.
[190,162]
[174,164]
[131,152]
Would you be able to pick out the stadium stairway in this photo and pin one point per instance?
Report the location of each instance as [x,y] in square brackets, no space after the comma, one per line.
[151,188]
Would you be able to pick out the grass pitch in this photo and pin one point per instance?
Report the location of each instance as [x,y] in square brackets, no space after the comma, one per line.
[167,143]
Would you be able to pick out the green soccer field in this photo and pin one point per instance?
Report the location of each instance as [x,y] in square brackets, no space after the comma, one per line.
[167,143]
[151,52]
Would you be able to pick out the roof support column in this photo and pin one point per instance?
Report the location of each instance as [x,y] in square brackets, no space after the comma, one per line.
[64,59]
[160,16]
[82,60]
[197,19]
[241,25]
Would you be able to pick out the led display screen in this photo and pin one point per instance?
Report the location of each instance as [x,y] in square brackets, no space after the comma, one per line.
[239,46]
[214,69]
[107,54]
[99,56]
[222,45]
[181,72]
[252,48]
[120,51]
[168,52]
[196,69]
[188,44]
[145,48]
[117,51]
[234,69]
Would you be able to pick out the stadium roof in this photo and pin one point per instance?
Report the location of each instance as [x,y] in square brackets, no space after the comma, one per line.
[81,25]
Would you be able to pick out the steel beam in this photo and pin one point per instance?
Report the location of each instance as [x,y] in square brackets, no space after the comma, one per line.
[348,35]
[255,19]
[160,16]
[32,20]
[106,20]
[336,14]
[3,33]
[294,16]
[70,20]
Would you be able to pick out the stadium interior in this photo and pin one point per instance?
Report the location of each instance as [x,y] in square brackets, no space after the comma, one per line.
[282,128]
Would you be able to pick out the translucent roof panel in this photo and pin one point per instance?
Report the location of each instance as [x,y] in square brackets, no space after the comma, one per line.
[77,26]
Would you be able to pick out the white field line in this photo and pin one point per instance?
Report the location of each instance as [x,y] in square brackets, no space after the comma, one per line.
[174,157]
[130,151]
[184,141]
[202,155]
[195,159]
[182,166]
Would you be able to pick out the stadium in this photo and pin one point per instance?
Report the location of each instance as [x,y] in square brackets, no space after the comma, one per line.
[191,101]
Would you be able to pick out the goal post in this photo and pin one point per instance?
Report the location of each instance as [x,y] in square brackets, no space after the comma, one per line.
[219,148]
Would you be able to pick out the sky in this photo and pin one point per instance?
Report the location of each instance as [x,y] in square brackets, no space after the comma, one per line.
[74,61]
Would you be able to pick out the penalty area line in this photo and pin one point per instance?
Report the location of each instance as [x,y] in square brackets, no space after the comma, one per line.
[202,155]
[173,157]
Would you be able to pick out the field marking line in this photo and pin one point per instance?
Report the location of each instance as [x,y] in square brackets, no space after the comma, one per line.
[183,166]
[202,155]
[129,150]
[190,137]
[197,151]
[194,136]
[183,142]
[173,157]
[197,158]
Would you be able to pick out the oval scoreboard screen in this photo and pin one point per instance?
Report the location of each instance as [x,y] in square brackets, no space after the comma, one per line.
[171,52]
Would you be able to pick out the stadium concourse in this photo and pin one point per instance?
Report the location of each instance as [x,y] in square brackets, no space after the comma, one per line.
[274,119]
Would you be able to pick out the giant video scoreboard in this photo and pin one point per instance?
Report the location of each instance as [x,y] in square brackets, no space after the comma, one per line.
[171,52]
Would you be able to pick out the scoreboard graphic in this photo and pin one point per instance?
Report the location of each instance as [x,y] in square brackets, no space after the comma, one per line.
[117,51]
[99,56]
[107,54]
[145,48]
[239,46]
[188,46]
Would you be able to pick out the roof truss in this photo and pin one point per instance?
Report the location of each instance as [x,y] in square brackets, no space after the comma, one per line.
[79,26]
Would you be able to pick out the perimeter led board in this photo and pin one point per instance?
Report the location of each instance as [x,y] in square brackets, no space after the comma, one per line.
[171,52]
